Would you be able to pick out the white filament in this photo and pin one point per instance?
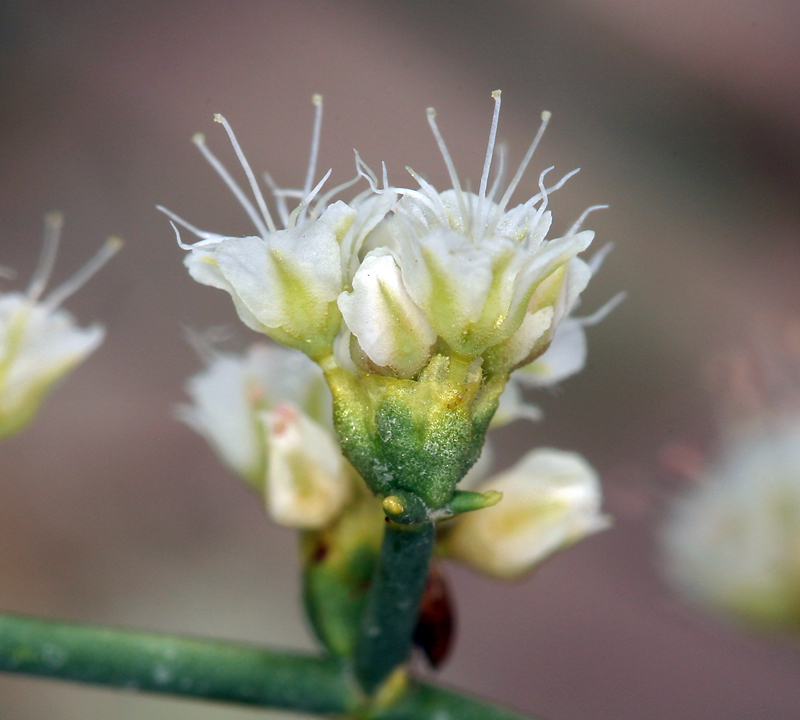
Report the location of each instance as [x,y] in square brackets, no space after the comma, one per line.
[448,161]
[312,160]
[202,234]
[248,172]
[233,186]
[487,163]
[100,258]
[524,164]
[306,200]
[501,168]
[579,222]
[53,223]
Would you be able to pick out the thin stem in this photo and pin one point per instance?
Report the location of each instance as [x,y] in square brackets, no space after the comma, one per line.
[392,606]
[175,665]
[217,670]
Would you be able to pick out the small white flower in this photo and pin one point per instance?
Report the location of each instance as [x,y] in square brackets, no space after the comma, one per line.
[415,272]
[39,340]
[285,282]
[417,304]
[733,543]
[551,500]
[484,277]
[267,415]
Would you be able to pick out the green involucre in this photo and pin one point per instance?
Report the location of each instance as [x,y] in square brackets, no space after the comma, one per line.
[421,436]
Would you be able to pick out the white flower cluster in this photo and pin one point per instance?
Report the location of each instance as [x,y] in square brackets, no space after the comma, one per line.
[400,288]
[398,274]
[39,340]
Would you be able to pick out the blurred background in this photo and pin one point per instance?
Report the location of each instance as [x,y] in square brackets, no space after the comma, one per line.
[684,117]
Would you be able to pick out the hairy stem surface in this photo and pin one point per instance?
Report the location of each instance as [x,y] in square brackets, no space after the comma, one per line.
[392,606]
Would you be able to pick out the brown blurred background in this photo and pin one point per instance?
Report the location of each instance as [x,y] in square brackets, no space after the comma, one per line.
[685,118]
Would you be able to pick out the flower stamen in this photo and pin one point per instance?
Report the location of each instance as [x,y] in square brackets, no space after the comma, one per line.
[56,297]
[306,200]
[448,161]
[523,165]
[200,141]
[501,168]
[53,223]
[577,226]
[312,159]
[202,234]
[280,195]
[251,178]
[487,163]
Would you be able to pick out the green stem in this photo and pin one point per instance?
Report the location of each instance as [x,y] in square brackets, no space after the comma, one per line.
[175,665]
[392,606]
[215,670]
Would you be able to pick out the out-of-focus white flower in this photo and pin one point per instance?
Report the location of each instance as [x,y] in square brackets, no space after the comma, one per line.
[307,480]
[551,500]
[733,542]
[39,340]
[267,414]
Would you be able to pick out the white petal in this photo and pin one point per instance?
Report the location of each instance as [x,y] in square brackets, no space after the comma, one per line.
[565,357]
[390,328]
[551,499]
[519,346]
[203,268]
[224,402]
[289,281]
[308,483]
[449,277]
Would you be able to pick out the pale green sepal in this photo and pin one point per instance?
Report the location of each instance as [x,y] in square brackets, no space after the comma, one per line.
[467,501]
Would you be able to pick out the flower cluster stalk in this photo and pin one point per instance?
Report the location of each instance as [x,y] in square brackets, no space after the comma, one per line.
[392,607]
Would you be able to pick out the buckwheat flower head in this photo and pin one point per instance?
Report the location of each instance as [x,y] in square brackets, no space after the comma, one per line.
[551,500]
[40,341]
[267,415]
[416,304]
